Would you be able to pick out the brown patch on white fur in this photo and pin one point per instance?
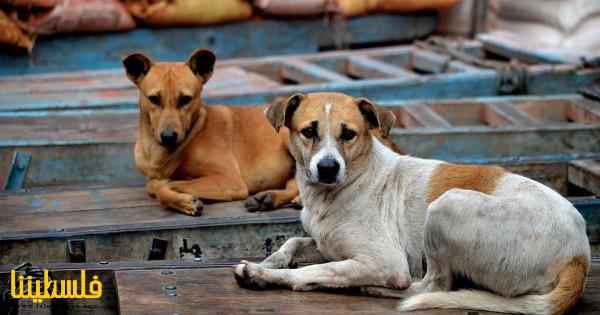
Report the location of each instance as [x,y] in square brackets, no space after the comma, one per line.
[471,177]
[571,282]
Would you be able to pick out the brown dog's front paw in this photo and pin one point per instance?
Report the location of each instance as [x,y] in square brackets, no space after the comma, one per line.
[262,201]
[248,275]
[296,203]
[189,205]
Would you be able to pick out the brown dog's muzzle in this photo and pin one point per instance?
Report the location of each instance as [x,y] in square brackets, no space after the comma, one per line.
[168,138]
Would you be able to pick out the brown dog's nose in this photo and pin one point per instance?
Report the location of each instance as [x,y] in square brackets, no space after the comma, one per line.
[168,137]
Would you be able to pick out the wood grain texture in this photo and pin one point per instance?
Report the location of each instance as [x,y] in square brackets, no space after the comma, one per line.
[215,291]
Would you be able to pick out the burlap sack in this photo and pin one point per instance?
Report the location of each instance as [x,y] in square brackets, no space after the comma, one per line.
[189,12]
[360,7]
[12,35]
[556,24]
[295,7]
[82,16]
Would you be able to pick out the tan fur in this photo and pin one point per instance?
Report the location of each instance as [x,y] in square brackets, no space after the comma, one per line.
[471,177]
[571,282]
[223,153]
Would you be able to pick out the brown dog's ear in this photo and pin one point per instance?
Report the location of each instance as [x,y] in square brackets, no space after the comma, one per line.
[281,112]
[369,112]
[137,66]
[387,120]
[202,63]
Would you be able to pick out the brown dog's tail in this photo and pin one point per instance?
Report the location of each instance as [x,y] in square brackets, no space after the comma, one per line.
[571,281]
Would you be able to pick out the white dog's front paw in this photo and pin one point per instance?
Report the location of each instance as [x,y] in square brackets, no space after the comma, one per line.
[249,275]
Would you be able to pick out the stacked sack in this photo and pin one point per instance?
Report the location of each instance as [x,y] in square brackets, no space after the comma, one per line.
[564,24]
[348,8]
[22,20]
[188,12]
[565,28]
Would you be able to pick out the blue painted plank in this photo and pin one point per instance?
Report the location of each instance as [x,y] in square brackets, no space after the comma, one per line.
[18,171]
[243,39]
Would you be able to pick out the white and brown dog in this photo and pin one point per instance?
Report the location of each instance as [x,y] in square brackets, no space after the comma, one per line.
[374,216]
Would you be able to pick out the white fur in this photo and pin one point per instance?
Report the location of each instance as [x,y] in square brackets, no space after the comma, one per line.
[377,226]
[328,149]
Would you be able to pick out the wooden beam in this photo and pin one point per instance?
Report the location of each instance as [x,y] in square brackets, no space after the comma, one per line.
[512,114]
[305,72]
[365,67]
[426,117]
[585,174]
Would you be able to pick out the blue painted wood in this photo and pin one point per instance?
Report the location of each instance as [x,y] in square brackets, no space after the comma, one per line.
[543,80]
[18,171]
[243,39]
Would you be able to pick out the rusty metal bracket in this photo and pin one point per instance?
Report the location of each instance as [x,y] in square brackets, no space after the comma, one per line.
[195,250]
[158,249]
[76,251]
[512,80]
[18,171]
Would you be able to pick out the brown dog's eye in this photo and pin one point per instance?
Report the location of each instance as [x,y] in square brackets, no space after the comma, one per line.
[347,134]
[308,132]
[184,100]
[154,99]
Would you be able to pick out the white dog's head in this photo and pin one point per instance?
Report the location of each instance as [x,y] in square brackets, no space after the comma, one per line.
[330,133]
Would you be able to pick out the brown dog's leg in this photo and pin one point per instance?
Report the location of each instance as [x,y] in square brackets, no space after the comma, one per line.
[186,195]
[273,199]
[170,198]
[212,187]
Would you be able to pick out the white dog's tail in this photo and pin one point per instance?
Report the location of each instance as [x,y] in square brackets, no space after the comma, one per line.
[571,281]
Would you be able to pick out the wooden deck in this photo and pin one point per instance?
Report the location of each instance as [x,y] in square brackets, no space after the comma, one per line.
[148,288]
[382,74]
[253,38]
[96,146]
[119,223]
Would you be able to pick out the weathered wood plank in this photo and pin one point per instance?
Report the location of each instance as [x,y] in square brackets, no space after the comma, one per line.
[585,174]
[542,79]
[366,67]
[426,117]
[258,37]
[216,290]
[143,292]
[305,72]
[511,114]
[120,223]
[70,147]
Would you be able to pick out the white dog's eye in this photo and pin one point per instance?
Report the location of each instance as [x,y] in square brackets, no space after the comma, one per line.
[347,134]
[308,132]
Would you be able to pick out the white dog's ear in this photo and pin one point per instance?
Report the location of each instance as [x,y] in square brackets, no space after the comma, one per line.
[202,62]
[281,112]
[387,121]
[137,66]
[369,112]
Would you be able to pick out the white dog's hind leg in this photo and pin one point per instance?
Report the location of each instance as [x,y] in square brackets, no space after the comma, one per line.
[293,251]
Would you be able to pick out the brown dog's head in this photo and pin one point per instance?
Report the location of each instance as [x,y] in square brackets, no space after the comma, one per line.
[170,93]
[330,133]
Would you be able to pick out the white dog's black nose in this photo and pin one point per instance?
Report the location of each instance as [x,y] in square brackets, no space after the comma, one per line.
[168,137]
[328,169]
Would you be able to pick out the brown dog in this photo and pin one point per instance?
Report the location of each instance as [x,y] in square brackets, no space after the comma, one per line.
[190,152]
